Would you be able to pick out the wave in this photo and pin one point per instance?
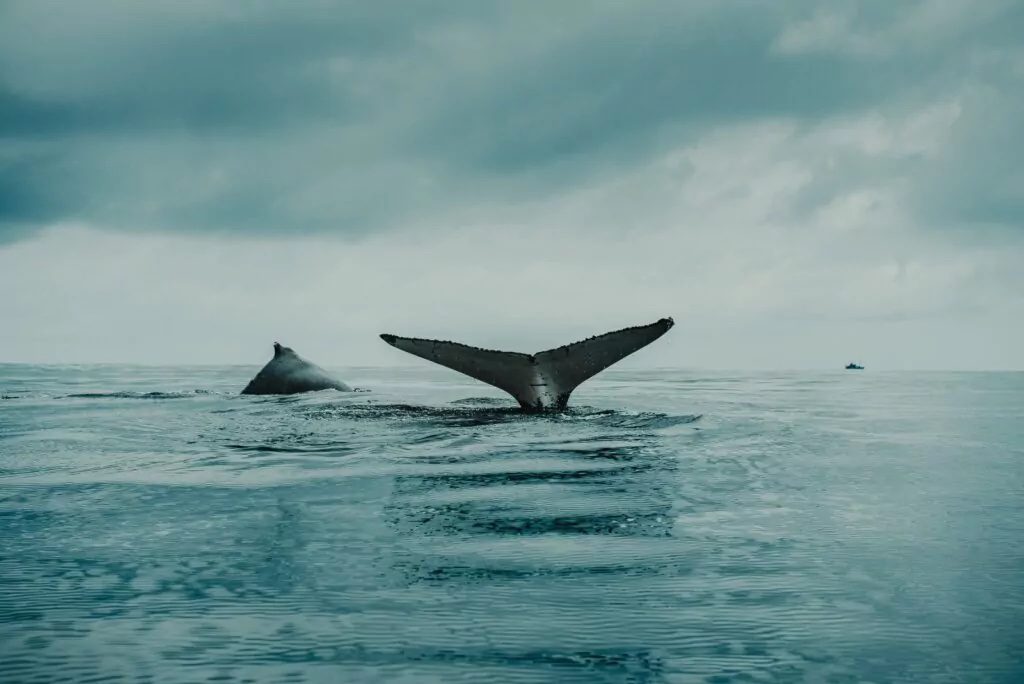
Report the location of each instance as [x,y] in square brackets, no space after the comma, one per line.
[138,395]
[644,420]
[470,412]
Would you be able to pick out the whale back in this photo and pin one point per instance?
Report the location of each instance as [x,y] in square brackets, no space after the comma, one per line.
[538,381]
[289,373]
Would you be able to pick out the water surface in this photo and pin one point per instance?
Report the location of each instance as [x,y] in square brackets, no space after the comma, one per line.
[673,526]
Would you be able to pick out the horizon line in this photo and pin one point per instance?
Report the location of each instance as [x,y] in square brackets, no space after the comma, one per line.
[720,369]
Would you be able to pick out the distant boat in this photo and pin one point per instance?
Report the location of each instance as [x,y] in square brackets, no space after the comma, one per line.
[853,366]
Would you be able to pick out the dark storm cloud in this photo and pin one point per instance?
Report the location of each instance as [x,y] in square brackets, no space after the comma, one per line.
[624,80]
[353,117]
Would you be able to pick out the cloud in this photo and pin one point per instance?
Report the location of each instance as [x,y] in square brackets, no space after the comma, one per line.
[786,179]
[703,232]
[345,118]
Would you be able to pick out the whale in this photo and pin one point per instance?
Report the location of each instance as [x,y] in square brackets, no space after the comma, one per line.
[289,373]
[542,381]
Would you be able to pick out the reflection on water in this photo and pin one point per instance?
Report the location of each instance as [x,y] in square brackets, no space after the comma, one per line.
[671,527]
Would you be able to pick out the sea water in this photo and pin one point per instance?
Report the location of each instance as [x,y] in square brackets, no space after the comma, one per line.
[672,526]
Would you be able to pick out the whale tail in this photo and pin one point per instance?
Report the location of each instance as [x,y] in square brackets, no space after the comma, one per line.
[541,381]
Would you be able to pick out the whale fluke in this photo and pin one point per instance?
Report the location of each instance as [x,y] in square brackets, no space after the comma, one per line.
[289,373]
[541,381]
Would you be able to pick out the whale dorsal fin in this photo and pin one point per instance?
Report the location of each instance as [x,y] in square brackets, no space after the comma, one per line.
[538,381]
[281,350]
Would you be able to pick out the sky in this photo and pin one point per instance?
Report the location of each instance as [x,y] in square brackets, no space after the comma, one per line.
[797,184]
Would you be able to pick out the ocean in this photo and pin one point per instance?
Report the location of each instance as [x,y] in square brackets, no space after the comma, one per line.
[672,526]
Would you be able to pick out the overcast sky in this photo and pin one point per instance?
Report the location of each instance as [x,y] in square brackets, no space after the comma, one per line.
[798,184]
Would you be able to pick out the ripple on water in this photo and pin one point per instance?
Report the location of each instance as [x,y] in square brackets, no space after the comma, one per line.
[700,528]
